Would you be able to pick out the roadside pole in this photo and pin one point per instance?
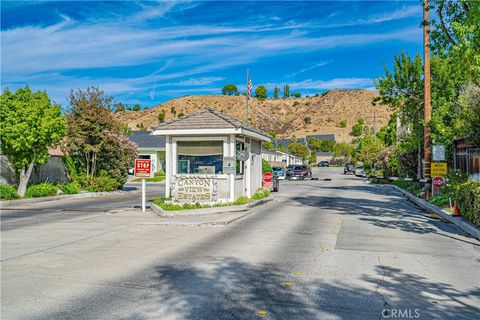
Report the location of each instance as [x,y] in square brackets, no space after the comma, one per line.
[143,169]
[426,94]
[144,186]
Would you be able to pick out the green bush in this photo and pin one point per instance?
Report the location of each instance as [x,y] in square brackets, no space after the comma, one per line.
[45,189]
[102,183]
[261,193]
[357,129]
[468,195]
[7,192]
[343,124]
[70,188]
[241,200]
[440,201]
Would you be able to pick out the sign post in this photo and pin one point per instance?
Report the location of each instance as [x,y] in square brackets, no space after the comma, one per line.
[143,169]
[268,180]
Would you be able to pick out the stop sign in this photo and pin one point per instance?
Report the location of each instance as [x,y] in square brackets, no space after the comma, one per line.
[267,177]
[438,182]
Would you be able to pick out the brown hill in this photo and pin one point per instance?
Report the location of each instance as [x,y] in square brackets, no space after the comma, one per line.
[295,116]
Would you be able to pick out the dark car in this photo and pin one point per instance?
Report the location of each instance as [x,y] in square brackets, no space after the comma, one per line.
[323,163]
[299,172]
[349,167]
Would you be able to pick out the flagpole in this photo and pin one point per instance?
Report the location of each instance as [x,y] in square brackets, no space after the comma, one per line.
[246,114]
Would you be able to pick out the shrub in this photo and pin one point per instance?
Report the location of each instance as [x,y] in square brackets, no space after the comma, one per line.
[307,120]
[7,192]
[266,167]
[297,94]
[70,188]
[296,103]
[103,183]
[45,189]
[468,194]
[261,193]
[441,200]
[357,129]
[241,200]
[343,124]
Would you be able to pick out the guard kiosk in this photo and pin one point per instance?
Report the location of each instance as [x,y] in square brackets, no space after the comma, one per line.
[211,157]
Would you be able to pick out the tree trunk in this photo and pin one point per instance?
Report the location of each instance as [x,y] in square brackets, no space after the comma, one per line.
[24,177]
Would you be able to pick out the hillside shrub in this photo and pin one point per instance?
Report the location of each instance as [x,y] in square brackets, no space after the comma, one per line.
[468,195]
[357,130]
[44,189]
[7,192]
[342,124]
[296,103]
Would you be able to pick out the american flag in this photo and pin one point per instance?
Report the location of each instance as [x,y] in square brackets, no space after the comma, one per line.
[249,86]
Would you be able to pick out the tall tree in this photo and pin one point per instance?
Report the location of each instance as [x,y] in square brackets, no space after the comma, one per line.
[286,91]
[89,119]
[137,107]
[29,125]
[276,92]
[229,89]
[456,35]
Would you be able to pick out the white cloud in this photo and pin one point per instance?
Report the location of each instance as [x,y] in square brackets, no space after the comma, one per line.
[316,65]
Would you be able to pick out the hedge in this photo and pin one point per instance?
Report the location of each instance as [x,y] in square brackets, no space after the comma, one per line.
[468,195]
[7,192]
[41,190]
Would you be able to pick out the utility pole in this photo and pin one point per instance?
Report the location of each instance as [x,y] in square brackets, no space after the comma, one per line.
[426,95]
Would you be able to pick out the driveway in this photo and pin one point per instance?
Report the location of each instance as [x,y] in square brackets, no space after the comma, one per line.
[339,249]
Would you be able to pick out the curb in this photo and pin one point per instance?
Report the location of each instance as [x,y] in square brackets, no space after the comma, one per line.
[202,211]
[10,203]
[460,222]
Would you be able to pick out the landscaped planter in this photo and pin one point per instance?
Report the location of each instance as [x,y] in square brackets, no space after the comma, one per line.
[190,212]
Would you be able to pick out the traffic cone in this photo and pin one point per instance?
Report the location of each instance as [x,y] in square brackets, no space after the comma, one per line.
[456,209]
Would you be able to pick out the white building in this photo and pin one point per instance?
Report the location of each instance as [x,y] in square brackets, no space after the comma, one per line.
[211,157]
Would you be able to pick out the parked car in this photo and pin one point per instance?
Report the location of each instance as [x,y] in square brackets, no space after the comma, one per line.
[349,167]
[323,163]
[299,172]
[279,172]
[359,172]
[289,168]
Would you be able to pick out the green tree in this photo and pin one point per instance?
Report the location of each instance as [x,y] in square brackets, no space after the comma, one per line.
[357,130]
[297,94]
[119,107]
[343,150]
[368,151]
[30,124]
[88,119]
[286,91]
[137,107]
[388,133]
[456,35]
[173,111]
[298,149]
[161,116]
[230,89]
[261,92]
[470,100]
[276,91]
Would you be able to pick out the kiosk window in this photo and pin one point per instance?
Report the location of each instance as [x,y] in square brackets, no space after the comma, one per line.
[240,146]
[200,157]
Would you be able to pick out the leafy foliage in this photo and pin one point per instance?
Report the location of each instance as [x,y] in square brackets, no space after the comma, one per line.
[229,89]
[261,193]
[161,116]
[29,125]
[276,92]
[297,94]
[321,145]
[261,92]
[286,91]
[342,124]
[298,149]
[469,196]
[41,190]
[343,150]
[470,101]
[7,192]
[368,151]
[70,188]
[266,167]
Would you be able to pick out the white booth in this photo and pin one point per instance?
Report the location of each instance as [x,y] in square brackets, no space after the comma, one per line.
[211,157]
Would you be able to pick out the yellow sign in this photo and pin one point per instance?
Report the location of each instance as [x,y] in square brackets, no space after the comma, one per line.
[438,169]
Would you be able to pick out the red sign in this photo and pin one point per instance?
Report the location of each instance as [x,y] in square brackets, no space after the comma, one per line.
[268,180]
[143,168]
[438,182]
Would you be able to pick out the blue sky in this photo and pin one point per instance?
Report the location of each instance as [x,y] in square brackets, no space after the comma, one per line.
[149,52]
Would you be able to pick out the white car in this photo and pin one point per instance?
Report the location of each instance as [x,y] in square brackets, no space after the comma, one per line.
[359,172]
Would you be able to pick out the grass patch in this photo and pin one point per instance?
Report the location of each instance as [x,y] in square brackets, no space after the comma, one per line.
[166,204]
[154,179]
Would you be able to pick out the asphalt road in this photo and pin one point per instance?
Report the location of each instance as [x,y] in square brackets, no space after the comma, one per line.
[339,249]
[53,211]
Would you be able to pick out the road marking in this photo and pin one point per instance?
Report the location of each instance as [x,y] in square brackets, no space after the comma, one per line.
[287,284]
[262,312]
[297,273]
[323,245]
